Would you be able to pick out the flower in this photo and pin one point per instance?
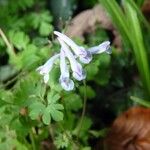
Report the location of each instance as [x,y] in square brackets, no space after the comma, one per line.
[84,56]
[66,83]
[71,51]
[104,47]
[47,67]
[78,72]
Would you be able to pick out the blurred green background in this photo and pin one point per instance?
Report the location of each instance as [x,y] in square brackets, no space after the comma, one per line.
[34,116]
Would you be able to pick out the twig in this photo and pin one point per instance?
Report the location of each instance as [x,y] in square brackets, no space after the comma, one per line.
[10,51]
[12,80]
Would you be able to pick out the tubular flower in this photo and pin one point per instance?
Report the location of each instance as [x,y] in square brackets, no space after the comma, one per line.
[71,51]
[104,47]
[84,56]
[78,72]
[47,67]
[66,83]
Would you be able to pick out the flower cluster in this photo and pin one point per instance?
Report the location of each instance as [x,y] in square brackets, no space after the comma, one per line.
[76,55]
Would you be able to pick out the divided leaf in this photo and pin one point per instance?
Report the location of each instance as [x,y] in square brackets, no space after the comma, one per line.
[19,39]
[36,109]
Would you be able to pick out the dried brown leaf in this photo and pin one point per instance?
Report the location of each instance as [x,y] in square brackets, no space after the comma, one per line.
[85,22]
[130,131]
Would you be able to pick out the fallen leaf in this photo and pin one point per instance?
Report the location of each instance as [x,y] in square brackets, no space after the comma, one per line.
[146,8]
[130,131]
[88,20]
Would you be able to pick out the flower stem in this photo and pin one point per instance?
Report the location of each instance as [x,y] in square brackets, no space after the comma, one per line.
[51,132]
[32,140]
[83,110]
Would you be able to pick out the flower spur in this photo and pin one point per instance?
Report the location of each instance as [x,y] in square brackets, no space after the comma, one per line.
[84,56]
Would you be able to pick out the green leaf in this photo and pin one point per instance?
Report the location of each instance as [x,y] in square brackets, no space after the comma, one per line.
[136,39]
[57,115]
[6,72]
[102,78]
[24,93]
[36,109]
[28,59]
[19,39]
[69,121]
[45,29]
[100,133]
[58,106]
[45,16]
[9,140]
[97,37]
[62,140]
[90,93]
[128,23]
[25,4]
[40,90]
[54,110]
[72,101]
[91,70]
[53,97]
[104,60]
[46,116]
[41,42]
[140,101]
[84,129]
[87,122]
[86,148]
[41,21]
[20,128]
[6,97]
[54,79]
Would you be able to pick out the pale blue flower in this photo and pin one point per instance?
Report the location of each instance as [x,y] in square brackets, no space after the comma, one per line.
[104,47]
[84,56]
[47,67]
[66,83]
[78,72]
[71,51]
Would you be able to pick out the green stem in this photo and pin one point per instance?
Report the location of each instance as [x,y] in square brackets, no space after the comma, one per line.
[83,110]
[13,79]
[32,140]
[10,49]
[51,132]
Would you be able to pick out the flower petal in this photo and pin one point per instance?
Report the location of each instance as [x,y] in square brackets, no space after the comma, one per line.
[86,58]
[83,55]
[47,67]
[66,83]
[77,69]
[104,47]
[63,66]
[68,41]
[46,78]
[80,74]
